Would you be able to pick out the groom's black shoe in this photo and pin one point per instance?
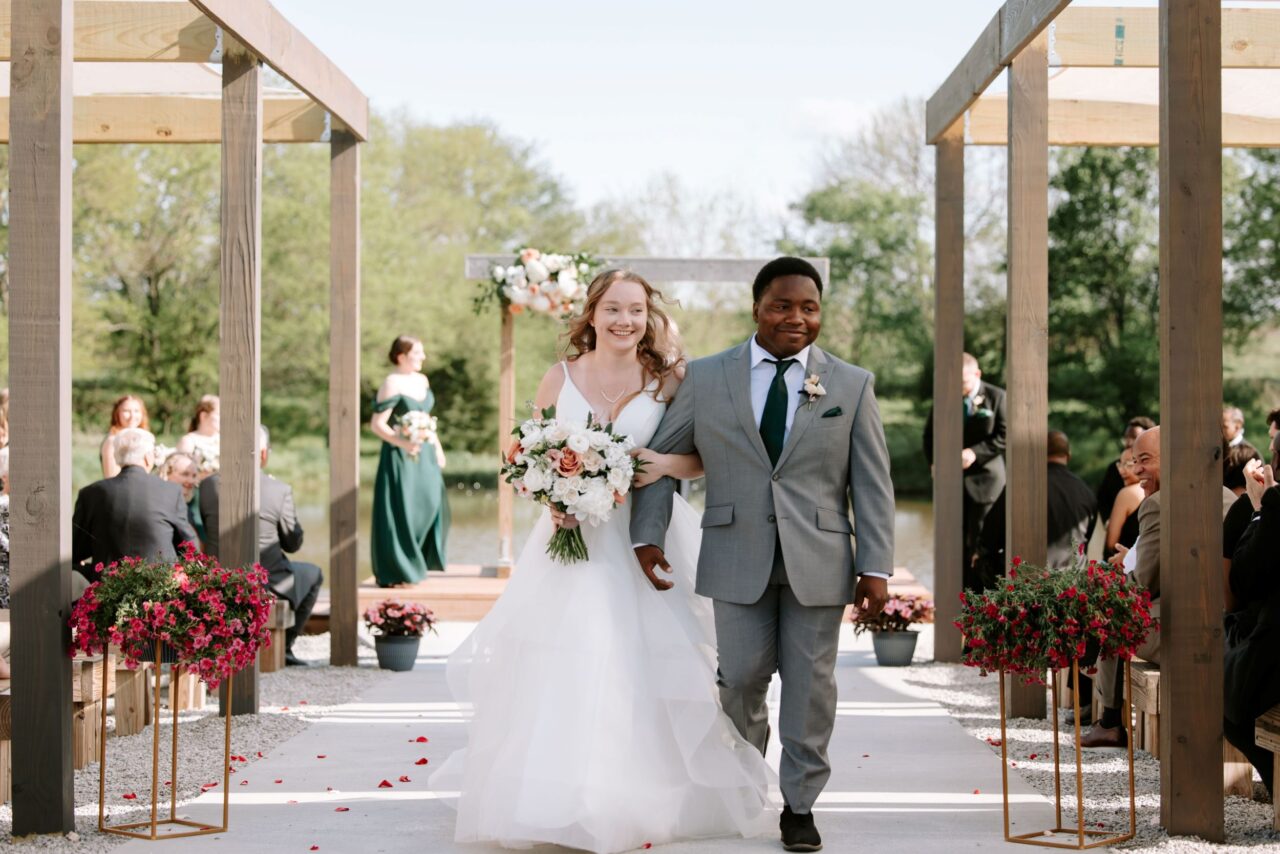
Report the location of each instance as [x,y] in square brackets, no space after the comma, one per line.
[799,832]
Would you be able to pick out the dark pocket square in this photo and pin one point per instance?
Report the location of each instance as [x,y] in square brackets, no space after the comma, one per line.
[832,413]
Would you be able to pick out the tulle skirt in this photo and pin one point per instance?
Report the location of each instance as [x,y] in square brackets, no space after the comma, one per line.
[597,722]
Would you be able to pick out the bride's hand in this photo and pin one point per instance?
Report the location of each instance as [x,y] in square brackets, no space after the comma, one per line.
[654,467]
[562,519]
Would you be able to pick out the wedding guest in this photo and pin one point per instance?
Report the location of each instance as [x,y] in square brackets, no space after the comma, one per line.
[1233,462]
[1251,672]
[1232,426]
[982,457]
[1239,517]
[127,412]
[131,514]
[203,438]
[410,505]
[1113,478]
[1273,423]
[1142,564]
[278,532]
[1122,525]
[182,469]
[1073,510]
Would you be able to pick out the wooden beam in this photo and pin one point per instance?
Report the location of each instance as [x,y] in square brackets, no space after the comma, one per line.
[948,410]
[1112,123]
[241,333]
[40,429]
[1023,22]
[131,31]
[663,269]
[172,118]
[344,396]
[1100,37]
[980,66]
[1191,594]
[1027,339]
[258,26]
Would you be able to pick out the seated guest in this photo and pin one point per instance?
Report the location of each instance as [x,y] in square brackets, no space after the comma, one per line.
[278,532]
[1239,517]
[1233,462]
[1073,510]
[1232,426]
[1251,673]
[203,438]
[1113,478]
[128,411]
[1273,423]
[181,469]
[131,514]
[1142,564]
[1122,527]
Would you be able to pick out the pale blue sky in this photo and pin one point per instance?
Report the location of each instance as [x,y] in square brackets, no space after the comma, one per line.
[724,94]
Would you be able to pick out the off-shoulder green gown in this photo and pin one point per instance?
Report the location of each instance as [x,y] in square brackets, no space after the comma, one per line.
[410,506]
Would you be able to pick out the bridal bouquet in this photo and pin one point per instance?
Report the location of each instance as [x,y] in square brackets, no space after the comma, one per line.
[547,283]
[582,469]
[418,426]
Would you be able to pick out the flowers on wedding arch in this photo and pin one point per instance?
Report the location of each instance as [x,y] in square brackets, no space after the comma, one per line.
[539,282]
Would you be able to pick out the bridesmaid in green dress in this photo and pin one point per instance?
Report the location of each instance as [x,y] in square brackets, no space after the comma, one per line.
[410,506]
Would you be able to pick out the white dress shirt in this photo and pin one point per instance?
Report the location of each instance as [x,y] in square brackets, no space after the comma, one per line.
[762,374]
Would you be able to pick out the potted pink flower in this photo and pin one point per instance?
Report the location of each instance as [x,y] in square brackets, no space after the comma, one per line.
[397,629]
[891,634]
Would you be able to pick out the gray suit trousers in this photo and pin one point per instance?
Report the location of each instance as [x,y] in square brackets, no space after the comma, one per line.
[777,633]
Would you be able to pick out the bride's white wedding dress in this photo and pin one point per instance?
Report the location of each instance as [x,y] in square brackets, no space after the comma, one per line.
[597,723]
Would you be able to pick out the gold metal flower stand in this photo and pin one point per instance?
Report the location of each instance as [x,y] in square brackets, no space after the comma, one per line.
[1078,837]
[150,829]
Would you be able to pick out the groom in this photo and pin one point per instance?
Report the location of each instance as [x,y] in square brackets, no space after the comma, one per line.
[790,437]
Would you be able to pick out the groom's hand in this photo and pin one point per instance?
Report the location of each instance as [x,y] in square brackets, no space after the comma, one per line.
[650,558]
[870,595]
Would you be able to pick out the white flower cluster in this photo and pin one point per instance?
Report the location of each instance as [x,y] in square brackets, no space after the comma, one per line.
[582,469]
[544,284]
[418,426]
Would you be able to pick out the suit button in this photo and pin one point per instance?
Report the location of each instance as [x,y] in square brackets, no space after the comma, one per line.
[773,518]
[777,477]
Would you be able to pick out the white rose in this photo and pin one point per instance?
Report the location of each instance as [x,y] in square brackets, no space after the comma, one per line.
[592,461]
[549,289]
[563,492]
[557,432]
[499,274]
[537,480]
[540,304]
[579,442]
[584,268]
[600,440]
[553,263]
[536,272]
[519,297]
[569,288]
[614,456]
[569,272]
[516,277]
[619,479]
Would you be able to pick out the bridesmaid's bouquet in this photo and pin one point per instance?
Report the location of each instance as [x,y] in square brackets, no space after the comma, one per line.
[582,469]
[418,426]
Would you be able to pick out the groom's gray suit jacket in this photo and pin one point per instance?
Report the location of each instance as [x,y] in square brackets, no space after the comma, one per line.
[834,460]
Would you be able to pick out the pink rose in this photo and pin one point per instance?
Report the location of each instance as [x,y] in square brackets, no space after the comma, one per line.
[569,464]
[527,255]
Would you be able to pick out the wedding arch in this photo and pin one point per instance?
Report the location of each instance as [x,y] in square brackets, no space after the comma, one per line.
[654,269]
[212,89]
[1190,77]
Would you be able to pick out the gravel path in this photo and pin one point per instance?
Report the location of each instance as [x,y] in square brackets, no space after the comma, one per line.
[291,699]
[974,701]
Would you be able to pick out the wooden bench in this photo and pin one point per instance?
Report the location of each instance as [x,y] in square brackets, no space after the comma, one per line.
[271,658]
[131,710]
[1267,734]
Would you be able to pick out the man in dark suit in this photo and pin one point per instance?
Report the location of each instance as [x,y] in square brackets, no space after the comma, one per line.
[1073,509]
[278,532]
[131,514]
[982,458]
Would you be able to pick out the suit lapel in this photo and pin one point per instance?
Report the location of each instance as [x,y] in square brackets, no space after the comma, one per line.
[805,413]
[737,375]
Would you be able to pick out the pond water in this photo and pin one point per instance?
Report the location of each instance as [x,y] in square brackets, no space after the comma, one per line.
[474,539]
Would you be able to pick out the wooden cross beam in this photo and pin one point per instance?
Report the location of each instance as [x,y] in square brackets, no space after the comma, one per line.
[651,268]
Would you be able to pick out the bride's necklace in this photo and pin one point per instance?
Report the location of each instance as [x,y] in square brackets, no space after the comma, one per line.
[615,398]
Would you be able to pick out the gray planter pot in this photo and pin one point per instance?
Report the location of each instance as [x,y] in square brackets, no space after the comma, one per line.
[397,652]
[894,649]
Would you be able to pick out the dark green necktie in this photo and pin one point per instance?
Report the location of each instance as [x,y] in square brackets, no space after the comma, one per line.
[773,423]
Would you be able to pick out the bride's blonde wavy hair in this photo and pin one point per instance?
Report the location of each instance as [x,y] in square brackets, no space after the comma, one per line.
[659,351]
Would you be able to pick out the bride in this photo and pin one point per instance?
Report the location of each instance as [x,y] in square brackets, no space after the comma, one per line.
[597,722]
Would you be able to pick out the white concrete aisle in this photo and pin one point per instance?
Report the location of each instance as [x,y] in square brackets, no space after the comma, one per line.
[906,776]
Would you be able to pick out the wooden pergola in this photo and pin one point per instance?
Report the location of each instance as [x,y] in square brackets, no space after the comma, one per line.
[1111,76]
[115,99]
[654,270]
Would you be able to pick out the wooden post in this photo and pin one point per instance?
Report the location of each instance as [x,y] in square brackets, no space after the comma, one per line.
[40,378]
[241,332]
[344,394]
[506,421]
[948,420]
[1190,406]
[1027,336]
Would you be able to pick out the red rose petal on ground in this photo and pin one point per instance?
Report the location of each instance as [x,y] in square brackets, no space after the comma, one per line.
[279,781]
[259,754]
[994,742]
[977,791]
[129,796]
[385,784]
[284,708]
[342,809]
[303,703]
[422,739]
[244,782]
[322,756]
[290,802]
[328,788]
[404,778]
[647,846]
[315,847]
[1033,756]
[422,761]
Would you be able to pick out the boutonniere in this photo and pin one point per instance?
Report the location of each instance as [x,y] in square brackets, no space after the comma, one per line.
[813,388]
[977,400]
